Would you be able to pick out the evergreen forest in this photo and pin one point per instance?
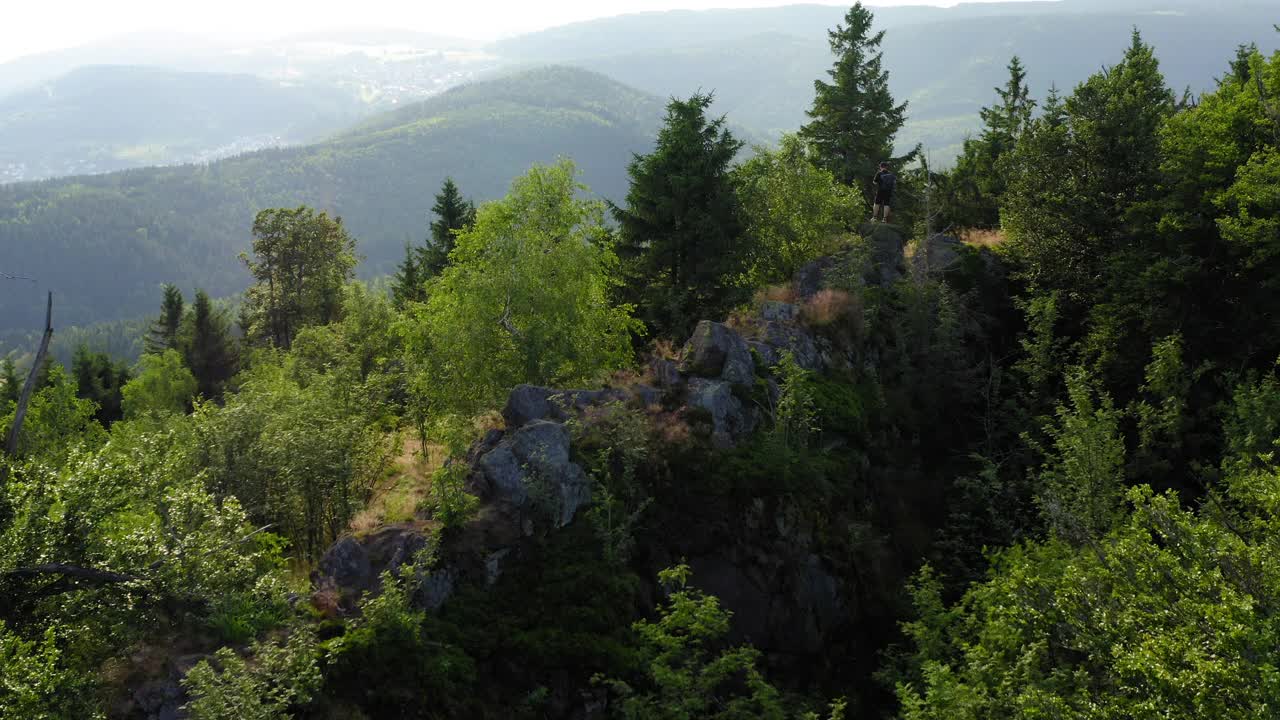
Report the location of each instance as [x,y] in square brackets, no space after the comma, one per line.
[731,444]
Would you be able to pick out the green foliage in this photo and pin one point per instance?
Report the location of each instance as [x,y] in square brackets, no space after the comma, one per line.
[208,348]
[525,300]
[99,380]
[407,285]
[1168,616]
[794,211]
[279,679]
[57,420]
[687,675]
[385,661]
[453,214]
[614,444]
[978,182]
[795,415]
[163,332]
[300,263]
[163,386]
[302,450]
[1083,171]
[682,225]
[853,120]
[35,684]
[1084,479]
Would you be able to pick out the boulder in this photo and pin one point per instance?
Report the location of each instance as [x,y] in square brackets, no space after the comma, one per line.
[527,403]
[730,419]
[534,461]
[888,261]
[939,254]
[775,311]
[715,351]
[814,277]
[784,336]
[347,563]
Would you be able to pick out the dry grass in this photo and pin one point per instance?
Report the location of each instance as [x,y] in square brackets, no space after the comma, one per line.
[778,293]
[982,238]
[396,497]
[664,349]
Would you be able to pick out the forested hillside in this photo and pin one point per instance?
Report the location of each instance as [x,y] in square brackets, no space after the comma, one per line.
[99,119]
[798,435]
[104,244]
[762,63]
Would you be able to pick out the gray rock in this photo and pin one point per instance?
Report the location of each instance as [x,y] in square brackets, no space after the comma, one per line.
[775,311]
[731,421]
[715,351]
[493,566]
[937,255]
[793,338]
[888,262]
[766,355]
[525,404]
[812,278]
[534,463]
[503,476]
[348,564]
[436,589]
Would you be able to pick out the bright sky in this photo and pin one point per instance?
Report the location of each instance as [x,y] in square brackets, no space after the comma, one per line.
[31,26]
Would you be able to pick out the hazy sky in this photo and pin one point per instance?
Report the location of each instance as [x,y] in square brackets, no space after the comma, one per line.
[29,26]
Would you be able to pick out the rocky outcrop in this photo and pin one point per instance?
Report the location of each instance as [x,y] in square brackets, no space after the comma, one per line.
[784,596]
[938,254]
[715,351]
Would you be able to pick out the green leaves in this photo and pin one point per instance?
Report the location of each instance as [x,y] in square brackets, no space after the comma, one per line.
[525,300]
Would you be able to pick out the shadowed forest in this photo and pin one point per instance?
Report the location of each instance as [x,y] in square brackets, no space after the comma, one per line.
[724,447]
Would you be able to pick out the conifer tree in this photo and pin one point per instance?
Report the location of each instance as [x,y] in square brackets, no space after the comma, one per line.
[163,333]
[453,213]
[854,118]
[978,181]
[100,380]
[682,230]
[208,349]
[406,284]
[12,384]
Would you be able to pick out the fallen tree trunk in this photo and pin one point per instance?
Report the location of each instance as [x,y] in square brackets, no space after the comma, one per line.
[11,445]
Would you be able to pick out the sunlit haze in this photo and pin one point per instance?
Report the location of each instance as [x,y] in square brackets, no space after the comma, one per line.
[32,27]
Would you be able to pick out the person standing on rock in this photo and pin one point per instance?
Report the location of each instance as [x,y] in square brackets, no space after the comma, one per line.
[885,181]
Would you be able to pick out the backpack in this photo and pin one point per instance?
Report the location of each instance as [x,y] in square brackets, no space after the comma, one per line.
[887,181]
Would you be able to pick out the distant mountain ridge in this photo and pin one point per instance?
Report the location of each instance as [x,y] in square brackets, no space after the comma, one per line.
[105,243]
[762,62]
[104,118]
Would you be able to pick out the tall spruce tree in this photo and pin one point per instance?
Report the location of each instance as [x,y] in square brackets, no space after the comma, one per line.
[978,181]
[100,380]
[163,333]
[208,349]
[407,283]
[681,230]
[453,213]
[854,118]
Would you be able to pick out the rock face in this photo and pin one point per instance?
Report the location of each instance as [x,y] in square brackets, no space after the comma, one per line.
[730,420]
[784,596]
[939,254]
[715,351]
[530,470]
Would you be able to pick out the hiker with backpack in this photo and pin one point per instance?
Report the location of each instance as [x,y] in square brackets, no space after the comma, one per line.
[885,181]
